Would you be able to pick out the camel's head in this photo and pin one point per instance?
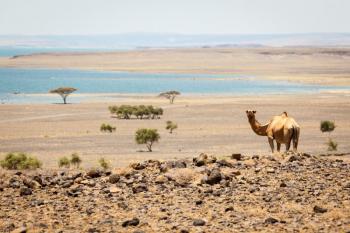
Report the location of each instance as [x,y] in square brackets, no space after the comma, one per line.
[250,114]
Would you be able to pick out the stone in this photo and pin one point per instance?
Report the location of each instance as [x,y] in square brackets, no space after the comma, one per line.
[270,170]
[94,173]
[114,178]
[318,209]
[24,191]
[271,220]
[283,185]
[214,177]
[138,166]
[236,156]
[139,188]
[20,230]
[161,179]
[198,222]
[132,222]
[224,163]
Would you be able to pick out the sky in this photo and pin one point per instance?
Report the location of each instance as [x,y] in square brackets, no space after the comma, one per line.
[81,17]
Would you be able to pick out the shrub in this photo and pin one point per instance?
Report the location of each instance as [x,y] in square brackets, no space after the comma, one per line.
[327,126]
[64,162]
[75,160]
[107,128]
[332,145]
[20,161]
[147,136]
[104,164]
[140,111]
[64,92]
[170,126]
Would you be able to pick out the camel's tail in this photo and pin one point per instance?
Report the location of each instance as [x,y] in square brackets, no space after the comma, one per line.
[295,138]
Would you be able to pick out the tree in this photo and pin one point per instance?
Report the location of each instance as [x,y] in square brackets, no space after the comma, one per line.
[329,126]
[170,95]
[64,92]
[170,126]
[147,136]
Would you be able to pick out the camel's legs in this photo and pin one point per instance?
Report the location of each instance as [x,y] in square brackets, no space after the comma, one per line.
[278,147]
[271,144]
[287,146]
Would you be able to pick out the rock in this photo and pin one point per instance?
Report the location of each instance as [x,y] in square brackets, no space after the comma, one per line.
[256,157]
[114,190]
[224,163]
[139,188]
[39,180]
[184,231]
[114,178]
[24,191]
[93,230]
[20,230]
[271,220]
[203,159]
[229,209]
[270,170]
[199,202]
[318,209]
[236,156]
[94,173]
[161,179]
[283,185]
[214,177]
[132,222]
[138,166]
[198,222]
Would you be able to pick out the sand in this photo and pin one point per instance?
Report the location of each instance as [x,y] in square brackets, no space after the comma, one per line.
[211,124]
[326,66]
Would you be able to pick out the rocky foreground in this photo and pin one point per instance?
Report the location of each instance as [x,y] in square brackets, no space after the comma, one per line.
[300,192]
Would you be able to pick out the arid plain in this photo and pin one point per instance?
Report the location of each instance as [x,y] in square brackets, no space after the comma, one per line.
[207,123]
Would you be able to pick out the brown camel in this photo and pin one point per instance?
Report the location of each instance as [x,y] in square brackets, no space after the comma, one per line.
[281,128]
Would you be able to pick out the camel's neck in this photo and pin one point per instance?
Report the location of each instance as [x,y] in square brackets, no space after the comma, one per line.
[257,127]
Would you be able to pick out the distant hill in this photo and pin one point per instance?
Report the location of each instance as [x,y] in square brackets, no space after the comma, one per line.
[151,40]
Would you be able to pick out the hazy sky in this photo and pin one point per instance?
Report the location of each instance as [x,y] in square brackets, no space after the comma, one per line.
[179,16]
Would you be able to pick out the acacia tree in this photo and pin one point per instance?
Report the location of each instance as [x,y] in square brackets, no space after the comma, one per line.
[147,136]
[64,92]
[170,126]
[170,95]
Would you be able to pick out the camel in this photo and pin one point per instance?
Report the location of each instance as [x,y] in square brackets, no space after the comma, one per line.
[281,128]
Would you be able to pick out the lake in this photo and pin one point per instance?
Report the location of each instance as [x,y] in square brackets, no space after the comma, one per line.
[25,82]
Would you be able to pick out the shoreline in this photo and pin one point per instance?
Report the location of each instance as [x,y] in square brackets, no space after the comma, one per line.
[305,65]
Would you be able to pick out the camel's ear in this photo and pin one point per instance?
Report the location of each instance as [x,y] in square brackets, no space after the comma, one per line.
[246,111]
[254,112]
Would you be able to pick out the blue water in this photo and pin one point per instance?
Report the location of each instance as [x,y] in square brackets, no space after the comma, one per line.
[7,51]
[38,81]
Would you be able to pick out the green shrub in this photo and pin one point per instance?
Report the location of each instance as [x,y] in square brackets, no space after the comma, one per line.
[332,145]
[147,136]
[327,126]
[140,111]
[170,126]
[64,162]
[75,160]
[104,164]
[20,161]
[107,128]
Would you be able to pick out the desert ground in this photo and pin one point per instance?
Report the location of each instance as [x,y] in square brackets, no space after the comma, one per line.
[214,125]
[327,66]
